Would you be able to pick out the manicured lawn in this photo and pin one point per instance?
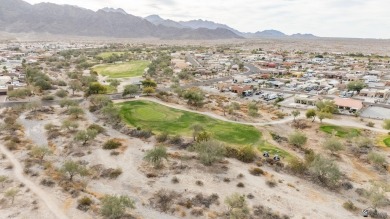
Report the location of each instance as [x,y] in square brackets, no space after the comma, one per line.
[342,132]
[387,142]
[159,118]
[273,150]
[122,70]
[105,55]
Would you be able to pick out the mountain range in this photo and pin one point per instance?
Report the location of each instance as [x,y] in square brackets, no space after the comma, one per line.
[17,16]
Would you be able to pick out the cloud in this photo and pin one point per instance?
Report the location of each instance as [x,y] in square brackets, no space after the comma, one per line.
[343,18]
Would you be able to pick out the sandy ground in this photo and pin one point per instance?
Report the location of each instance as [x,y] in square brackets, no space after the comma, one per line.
[292,196]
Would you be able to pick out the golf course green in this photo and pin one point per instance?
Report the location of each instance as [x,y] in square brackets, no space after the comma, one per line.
[159,118]
[342,132]
[122,70]
[105,55]
[387,142]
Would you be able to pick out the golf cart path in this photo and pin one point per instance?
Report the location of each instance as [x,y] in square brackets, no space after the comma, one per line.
[338,122]
[18,172]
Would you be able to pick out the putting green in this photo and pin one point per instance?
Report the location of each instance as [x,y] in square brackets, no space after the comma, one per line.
[342,132]
[159,118]
[387,142]
[122,70]
[272,150]
[105,55]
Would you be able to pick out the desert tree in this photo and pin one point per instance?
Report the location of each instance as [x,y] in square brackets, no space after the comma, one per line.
[156,156]
[86,135]
[311,113]
[295,114]
[194,97]
[11,194]
[325,170]
[131,90]
[39,152]
[148,90]
[72,168]
[75,85]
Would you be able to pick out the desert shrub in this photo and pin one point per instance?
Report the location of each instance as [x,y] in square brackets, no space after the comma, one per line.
[226,180]
[298,139]
[200,200]
[240,185]
[85,136]
[115,173]
[278,138]
[333,145]
[209,152]
[19,93]
[271,183]
[377,159]
[112,144]
[114,207]
[238,207]
[162,137]
[61,83]
[386,124]
[97,128]
[163,200]
[199,183]
[348,205]
[370,124]
[176,140]
[84,203]
[256,171]
[325,171]
[47,97]
[244,153]
[262,212]
[156,156]
[297,166]
[61,93]
[175,180]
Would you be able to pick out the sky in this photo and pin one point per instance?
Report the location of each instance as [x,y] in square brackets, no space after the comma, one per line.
[326,18]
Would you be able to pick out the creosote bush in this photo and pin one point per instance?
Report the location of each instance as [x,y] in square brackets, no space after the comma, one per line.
[112,144]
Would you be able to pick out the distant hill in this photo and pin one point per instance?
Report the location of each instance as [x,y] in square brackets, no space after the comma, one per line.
[118,10]
[17,16]
[306,35]
[157,20]
[196,24]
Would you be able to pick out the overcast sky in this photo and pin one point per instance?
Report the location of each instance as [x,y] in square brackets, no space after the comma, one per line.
[327,18]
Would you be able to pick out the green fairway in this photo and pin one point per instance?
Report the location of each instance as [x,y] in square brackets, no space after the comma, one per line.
[342,132]
[122,70]
[159,118]
[105,55]
[387,142]
[272,150]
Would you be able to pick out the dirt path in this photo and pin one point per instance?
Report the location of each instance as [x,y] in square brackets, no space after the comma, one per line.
[18,172]
[338,122]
